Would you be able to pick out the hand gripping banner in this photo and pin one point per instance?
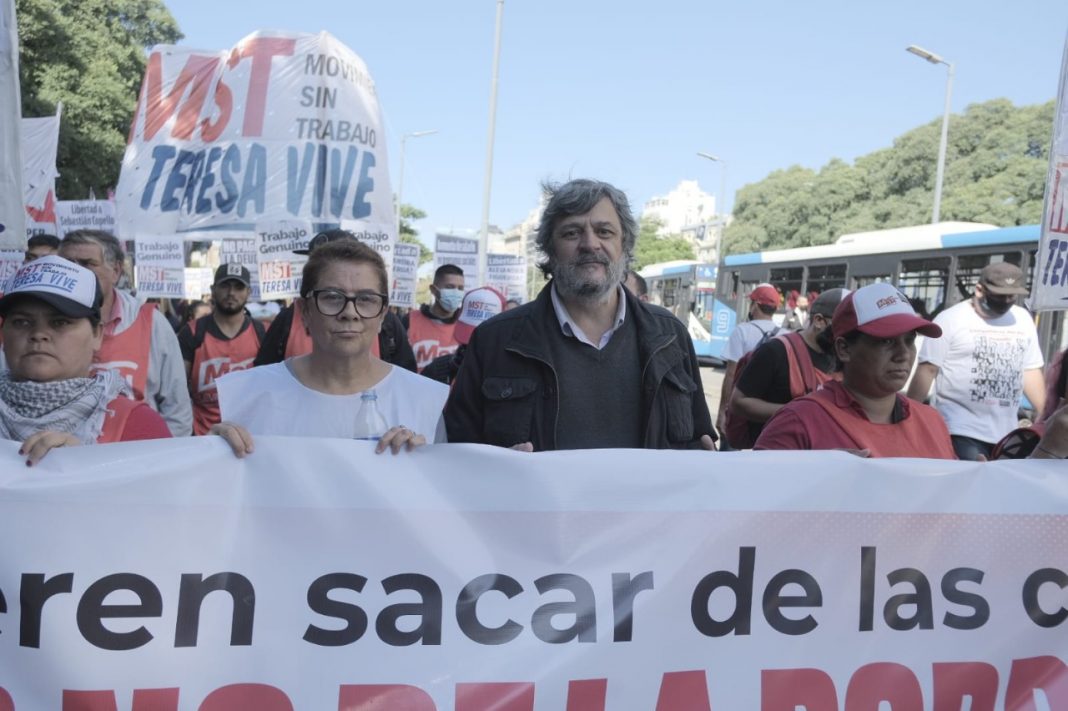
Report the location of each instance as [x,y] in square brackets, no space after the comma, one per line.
[168,576]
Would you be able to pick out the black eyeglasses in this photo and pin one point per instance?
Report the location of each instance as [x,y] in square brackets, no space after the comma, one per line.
[331,302]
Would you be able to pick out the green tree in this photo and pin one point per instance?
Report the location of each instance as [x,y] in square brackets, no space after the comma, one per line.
[408,233]
[997,158]
[89,55]
[652,249]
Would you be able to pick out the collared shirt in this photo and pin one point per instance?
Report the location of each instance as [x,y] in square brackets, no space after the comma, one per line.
[114,319]
[572,329]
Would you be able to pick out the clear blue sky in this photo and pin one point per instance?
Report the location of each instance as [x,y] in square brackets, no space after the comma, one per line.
[628,92]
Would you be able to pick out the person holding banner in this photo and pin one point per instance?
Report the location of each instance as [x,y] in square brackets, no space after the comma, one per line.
[139,342]
[874,332]
[586,364]
[49,398]
[343,301]
[286,337]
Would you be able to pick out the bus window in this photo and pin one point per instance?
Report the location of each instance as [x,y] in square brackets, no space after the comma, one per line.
[862,281]
[787,280]
[826,276]
[926,279]
[969,266]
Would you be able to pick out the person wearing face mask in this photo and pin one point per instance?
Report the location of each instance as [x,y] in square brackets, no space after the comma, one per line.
[988,355]
[785,368]
[430,329]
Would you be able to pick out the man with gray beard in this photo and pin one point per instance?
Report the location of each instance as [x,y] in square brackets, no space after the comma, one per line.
[585,365]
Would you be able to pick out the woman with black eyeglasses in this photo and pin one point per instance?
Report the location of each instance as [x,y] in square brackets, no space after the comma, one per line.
[344,296]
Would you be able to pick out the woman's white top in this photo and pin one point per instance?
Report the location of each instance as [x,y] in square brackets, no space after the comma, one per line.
[269,400]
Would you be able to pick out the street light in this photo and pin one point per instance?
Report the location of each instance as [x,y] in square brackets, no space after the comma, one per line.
[722,199]
[935,59]
[400,178]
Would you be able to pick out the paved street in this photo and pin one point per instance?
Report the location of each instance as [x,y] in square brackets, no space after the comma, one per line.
[712,380]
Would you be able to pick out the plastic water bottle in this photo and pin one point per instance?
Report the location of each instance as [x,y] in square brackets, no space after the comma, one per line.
[370,424]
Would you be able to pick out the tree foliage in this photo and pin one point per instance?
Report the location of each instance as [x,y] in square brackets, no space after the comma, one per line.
[997,157]
[408,233]
[651,249]
[90,55]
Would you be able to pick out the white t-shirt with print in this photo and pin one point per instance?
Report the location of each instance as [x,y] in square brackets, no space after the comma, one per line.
[745,337]
[981,364]
[269,400]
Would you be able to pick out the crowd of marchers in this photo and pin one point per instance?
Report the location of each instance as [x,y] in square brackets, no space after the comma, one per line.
[589,363]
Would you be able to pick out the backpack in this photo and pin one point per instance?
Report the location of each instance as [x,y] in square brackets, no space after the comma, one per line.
[736,428]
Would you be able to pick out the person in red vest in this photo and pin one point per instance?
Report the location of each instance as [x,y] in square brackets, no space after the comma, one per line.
[790,365]
[49,397]
[430,329]
[139,342]
[225,340]
[875,342]
[287,336]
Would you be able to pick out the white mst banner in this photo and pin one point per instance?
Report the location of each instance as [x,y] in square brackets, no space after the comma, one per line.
[168,575]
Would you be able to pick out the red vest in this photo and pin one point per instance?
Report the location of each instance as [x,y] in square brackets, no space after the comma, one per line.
[429,338]
[213,359]
[922,434]
[804,376]
[127,352]
[118,414]
[300,343]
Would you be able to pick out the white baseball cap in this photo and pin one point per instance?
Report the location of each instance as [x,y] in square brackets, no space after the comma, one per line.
[68,287]
[479,305]
[879,310]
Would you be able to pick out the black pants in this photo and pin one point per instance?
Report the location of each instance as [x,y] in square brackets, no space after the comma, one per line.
[969,449]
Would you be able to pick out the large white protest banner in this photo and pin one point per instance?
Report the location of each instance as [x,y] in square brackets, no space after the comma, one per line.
[405,275]
[283,126]
[1050,285]
[85,215]
[461,252]
[12,217]
[508,273]
[314,574]
[40,145]
[159,270]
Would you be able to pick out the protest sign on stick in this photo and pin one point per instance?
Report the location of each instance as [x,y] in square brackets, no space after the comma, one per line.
[405,275]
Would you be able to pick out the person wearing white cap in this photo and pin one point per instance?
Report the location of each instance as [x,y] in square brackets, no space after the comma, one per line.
[988,357]
[874,332]
[479,305]
[49,398]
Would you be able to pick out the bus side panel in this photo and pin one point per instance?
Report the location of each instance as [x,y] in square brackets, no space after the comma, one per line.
[724,319]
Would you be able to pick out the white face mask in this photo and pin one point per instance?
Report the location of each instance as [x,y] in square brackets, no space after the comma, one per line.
[450,299]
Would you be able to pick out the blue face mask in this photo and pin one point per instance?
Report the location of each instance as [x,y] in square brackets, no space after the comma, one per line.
[450,299]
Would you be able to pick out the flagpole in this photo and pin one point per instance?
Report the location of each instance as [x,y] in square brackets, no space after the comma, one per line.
[12,207]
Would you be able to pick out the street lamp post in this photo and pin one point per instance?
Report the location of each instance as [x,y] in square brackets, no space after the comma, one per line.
[400,177]
[722,199]
[487,183]
[940,173]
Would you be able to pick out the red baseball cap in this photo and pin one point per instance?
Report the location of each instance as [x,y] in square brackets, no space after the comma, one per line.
[879,310]
[766,295]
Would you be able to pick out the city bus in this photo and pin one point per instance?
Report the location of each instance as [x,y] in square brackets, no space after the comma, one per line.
[687,289]
[938,264]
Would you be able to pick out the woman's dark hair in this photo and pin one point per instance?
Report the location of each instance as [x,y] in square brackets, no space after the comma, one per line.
[341,251]
[850,338]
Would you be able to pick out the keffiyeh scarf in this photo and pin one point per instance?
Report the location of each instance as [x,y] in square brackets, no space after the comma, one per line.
[77,406]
